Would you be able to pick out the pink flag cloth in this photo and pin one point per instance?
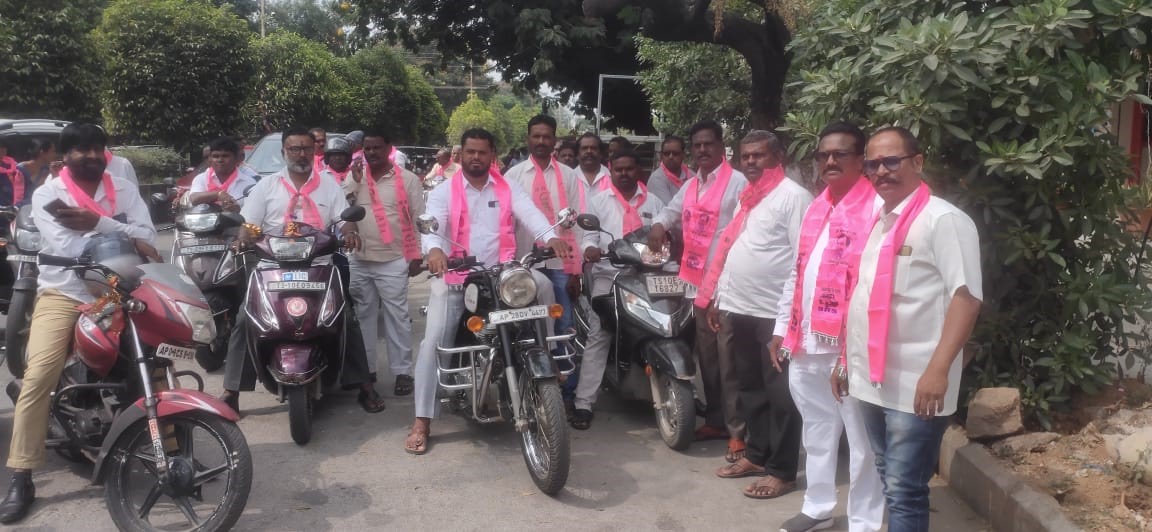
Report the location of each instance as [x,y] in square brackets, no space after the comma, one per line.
[701,217]
[410,244]
[310,212]
[83,200]
[461,227]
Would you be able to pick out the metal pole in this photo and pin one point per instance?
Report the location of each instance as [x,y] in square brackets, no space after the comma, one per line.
[261,19]
[599,101]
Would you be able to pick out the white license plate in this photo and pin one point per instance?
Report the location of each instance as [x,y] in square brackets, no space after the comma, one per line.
[665,285]
[281,286]
[211,248]
[22,258]
[294,276]
[173,351]
[520,314]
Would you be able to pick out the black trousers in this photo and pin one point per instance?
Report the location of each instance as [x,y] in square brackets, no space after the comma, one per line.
[773,424]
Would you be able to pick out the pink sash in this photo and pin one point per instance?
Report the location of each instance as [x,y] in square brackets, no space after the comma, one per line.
[410,244]
[632,219]
[750,197]
[880,302]
[311,213]
[214,183]
[675,179]
[846,220]
[461,225]
[16,177]
[83,200]
[318,163]
[701,218]
[543,200]
[340,176]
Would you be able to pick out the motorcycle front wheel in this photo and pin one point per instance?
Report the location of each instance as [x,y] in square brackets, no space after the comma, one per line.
[300,414]
[544,442]
[675,411]
[210,475]
[16,332]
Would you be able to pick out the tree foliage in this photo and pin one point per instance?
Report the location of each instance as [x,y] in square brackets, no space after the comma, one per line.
[1012,102]
[397,99]
[682,93]
[321,22]
[177,70]
[299,81]
[475,112]
[49,67]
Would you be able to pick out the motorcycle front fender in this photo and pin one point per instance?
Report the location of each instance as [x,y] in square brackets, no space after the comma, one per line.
[671,356]
[539,363]
[171,402]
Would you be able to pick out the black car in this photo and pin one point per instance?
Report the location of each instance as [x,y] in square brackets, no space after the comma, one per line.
[17,134]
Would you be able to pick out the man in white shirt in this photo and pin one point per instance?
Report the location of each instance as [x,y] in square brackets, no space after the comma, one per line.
[84,200]
[388,255]
[671,174]
[914,306]
[484,241]
[622,208]
[223,182]
[751,277]
[273,202]
[844,209]
[711,210]
[121,167]
[591,156]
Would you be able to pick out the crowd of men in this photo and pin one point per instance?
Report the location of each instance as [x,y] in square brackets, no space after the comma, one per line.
[817,315]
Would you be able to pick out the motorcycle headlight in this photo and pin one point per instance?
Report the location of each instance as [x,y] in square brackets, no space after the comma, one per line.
[29,241]
[517,288]
[199,223]
[649,257]
[291,248]
[203,325]
[642,310]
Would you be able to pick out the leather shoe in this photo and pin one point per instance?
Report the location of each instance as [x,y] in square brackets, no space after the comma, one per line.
[21,493]
[232,399]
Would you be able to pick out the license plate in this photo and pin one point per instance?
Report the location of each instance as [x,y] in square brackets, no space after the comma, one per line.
[281,286]
[294,276]
[174,351]
[196,250]
[665,285]
[520,314]
[22,258]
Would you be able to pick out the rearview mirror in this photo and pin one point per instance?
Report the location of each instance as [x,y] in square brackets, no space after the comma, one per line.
[588,222]
[159,198]
[427,224]
[353,214]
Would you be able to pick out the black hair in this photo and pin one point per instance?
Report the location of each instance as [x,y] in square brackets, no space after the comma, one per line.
[542,119]
[316,130]
[674,138]
[911,143]
[775,146]
[82,136]
[846,128]
[41,145]
[378,133]
[228,144]
[569,145]
[626,152]
[296,131]
[479,133]
[599,141]
[622,141]
[709,125]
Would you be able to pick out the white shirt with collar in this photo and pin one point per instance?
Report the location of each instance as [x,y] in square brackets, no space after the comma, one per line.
[122,168]
[484,218]
[940,255]
[267,204]
[606,206]
[243,180]
[674,209]
[63,242]
[523,176]
[764,254]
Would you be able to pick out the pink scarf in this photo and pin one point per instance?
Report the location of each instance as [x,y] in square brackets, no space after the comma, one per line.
[15,177]
[303,197]
[340,176]
[880,300]
[461,225]
[543,199]
[411,245]
[632,220]
[701,217]
[750,197]
[846,220]
[83,200]
[318,163]
[674,178]
[214,183]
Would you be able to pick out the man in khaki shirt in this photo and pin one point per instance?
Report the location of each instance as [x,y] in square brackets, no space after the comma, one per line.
[389,255]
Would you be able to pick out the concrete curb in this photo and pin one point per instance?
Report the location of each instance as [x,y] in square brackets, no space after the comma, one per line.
[1007,502]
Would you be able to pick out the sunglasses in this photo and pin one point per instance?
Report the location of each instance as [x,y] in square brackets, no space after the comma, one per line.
[838,155]
[892,163]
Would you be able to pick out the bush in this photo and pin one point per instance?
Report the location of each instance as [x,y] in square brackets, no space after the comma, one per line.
[154,164]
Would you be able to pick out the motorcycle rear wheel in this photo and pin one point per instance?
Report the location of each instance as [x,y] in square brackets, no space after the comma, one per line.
[227,458]
[211,357]
[16,333]
[676,411]
[300,414]
[545,444]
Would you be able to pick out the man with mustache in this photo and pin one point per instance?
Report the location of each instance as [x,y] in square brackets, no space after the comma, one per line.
[809,335]
[566,154]
[917,296]
[667,179]
[84,200]
[224,182]
[705,206]
[590,155]
[321,137]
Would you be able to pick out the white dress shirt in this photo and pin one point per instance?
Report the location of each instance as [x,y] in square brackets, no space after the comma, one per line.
[267,204]
[63,242]
[607,208]
[661,187]
[598,183]
[243,180]
[764,254]
[122,168]
[674,210]
[523,176]
[484,219]
[940,255]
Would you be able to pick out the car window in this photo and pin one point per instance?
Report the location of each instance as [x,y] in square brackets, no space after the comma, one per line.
[266,157]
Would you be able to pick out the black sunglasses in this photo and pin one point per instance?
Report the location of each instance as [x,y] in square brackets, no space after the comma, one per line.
[892,163]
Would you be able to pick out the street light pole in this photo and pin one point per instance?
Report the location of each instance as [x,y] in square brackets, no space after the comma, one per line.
[262,19]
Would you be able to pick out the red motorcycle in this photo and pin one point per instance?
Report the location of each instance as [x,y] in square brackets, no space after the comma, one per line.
[169,458]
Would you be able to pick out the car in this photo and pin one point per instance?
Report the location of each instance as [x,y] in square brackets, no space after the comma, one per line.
[267,157]
[17,134]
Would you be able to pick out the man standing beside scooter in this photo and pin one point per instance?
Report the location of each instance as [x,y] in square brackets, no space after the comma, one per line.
[295,193]
[623,207]
[224,182]
[388,255]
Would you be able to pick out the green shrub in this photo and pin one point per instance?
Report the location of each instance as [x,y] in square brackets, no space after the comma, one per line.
[154,164]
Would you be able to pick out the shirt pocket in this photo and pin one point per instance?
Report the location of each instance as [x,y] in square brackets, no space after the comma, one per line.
[902,283]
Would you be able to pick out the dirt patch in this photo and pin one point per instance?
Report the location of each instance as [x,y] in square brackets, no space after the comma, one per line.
[1077,469]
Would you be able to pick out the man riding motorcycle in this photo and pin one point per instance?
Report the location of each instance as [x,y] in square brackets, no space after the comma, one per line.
[85,199]
[224,181]
[337,160]
[296,193]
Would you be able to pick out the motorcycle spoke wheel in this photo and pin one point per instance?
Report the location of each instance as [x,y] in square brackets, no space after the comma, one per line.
[544,441]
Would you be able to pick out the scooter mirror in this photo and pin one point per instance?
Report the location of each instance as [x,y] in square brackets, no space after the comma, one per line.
[567,217]
[588,222]
[159,198]
[353,214]
[427,224]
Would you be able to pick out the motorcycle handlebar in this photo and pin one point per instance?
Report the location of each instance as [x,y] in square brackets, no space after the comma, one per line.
[64,262]
[455,263]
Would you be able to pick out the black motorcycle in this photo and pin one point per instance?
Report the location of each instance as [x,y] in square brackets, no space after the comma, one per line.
[22,247]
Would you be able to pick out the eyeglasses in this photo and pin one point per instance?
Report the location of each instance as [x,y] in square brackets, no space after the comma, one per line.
[892,163]
[839,156]
[297,150]
[671,153]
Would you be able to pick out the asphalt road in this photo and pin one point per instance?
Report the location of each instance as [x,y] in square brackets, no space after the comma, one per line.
[355,475]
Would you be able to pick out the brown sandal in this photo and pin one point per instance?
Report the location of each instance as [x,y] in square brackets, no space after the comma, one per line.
[769,487]
[417,441]
[740,469]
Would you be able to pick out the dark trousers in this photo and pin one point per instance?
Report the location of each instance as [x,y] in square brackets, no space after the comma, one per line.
[721,383]
[773,424]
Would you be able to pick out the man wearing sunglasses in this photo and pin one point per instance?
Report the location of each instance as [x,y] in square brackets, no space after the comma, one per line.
[667,179]
[917,296]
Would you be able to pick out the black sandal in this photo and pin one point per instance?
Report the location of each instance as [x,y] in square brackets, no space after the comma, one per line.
[370,401]
[404,385]
[581,419]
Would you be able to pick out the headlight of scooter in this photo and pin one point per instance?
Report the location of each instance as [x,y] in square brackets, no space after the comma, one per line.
[517,288]
[291,248]
[29,241]
[199,223]
[201,321]
[642,310]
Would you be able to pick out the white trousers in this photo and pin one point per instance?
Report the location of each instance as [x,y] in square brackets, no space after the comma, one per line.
[824,421]
[380,292]
[444,309]
[595,358]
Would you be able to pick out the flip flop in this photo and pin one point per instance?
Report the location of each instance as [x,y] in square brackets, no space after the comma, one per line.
[404,385]
[740,469]
[769,487]
[370,401]
[421,443]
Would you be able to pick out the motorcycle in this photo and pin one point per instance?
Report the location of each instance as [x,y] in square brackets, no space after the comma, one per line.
[296,318]
[168,457]
[502,369]
[22,247]
[651,323]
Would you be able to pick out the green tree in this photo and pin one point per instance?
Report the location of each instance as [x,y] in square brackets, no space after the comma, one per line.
[50,68]
[396,99]
[298,81]
[1013,105]
[512,114]
[682,93]
[322,22]
[178,70]
[475,112]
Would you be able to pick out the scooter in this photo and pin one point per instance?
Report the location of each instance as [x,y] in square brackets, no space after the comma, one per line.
[296,318]
[650,356]
[22,247]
